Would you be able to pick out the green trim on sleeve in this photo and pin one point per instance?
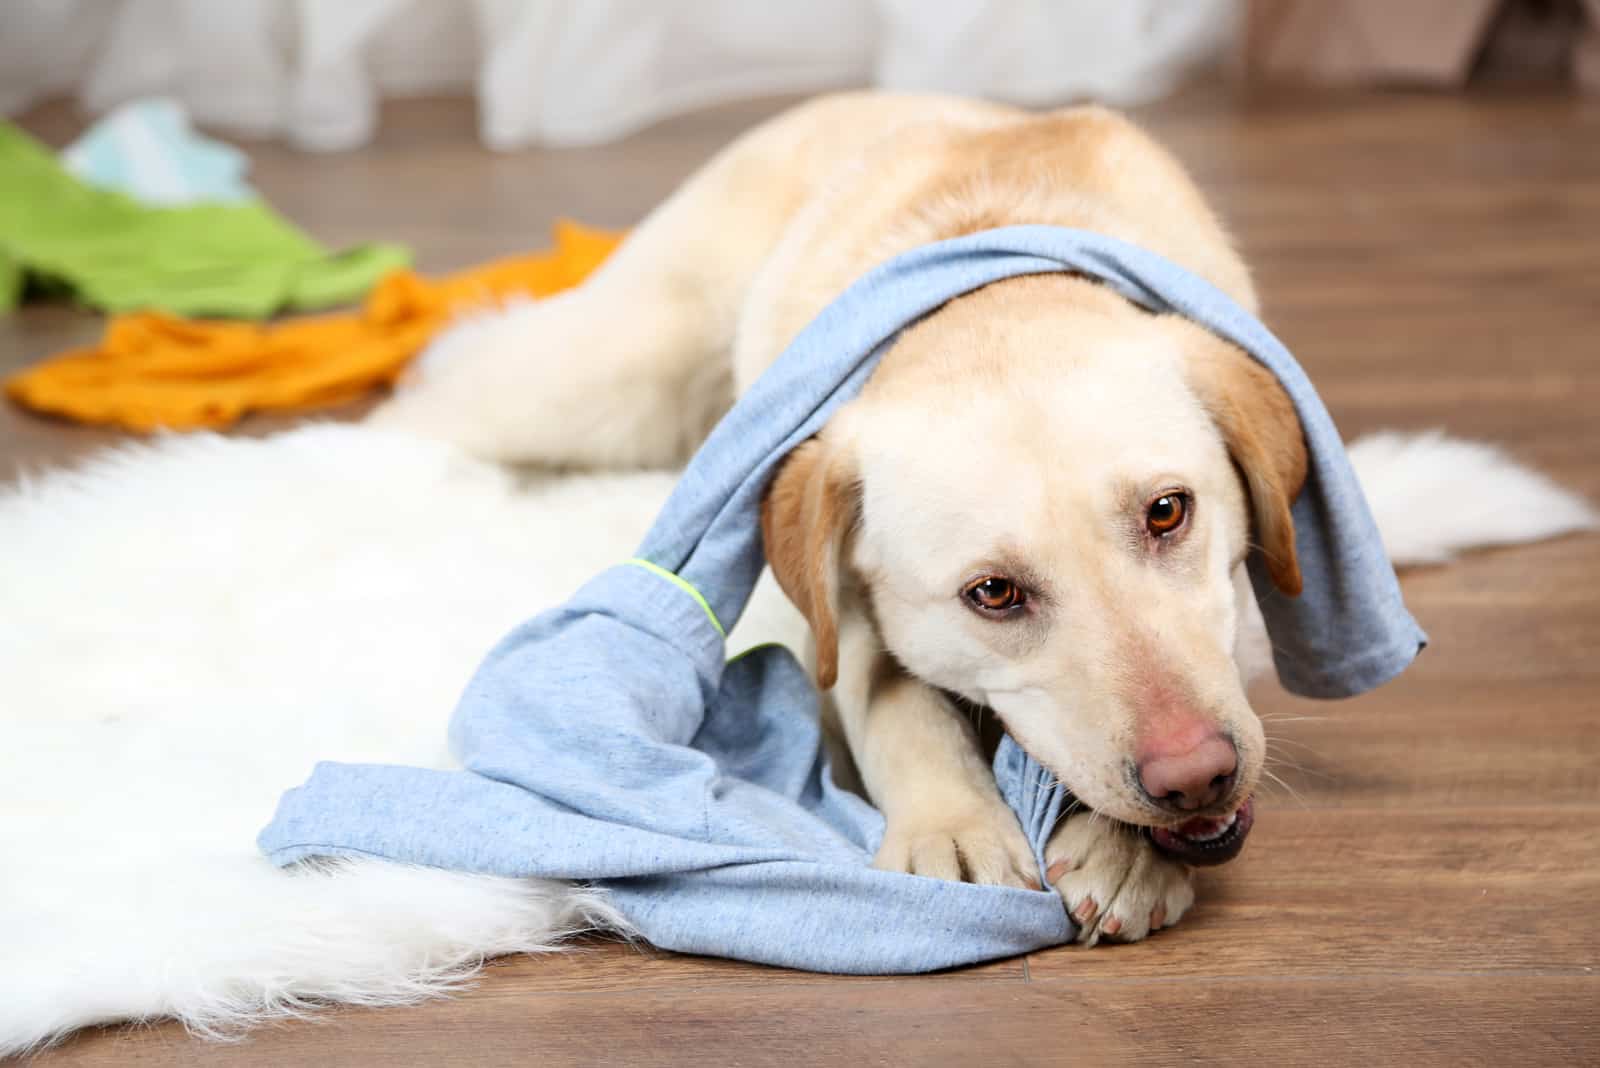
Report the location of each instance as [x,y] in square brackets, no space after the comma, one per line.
[736,657]
[682,584]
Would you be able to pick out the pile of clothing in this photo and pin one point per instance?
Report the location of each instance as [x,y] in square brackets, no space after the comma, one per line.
[144,218]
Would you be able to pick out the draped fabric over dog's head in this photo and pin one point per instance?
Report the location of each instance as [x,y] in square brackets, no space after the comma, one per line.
[1346,633]
[608,740]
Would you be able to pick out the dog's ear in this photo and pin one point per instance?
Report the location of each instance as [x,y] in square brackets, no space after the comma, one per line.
[1264,436]
[805,517]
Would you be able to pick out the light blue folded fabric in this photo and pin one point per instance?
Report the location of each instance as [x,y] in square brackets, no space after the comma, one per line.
[608,741]
[147,149]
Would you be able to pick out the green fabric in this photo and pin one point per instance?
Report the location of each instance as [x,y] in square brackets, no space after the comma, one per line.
[237,259]
[683,584]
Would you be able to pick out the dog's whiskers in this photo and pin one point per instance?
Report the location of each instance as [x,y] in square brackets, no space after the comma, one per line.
[1290,790]
[1075,806]
[1278,760]
[1279,739]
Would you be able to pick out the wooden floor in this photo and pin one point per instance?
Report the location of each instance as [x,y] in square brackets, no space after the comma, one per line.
[1429,892]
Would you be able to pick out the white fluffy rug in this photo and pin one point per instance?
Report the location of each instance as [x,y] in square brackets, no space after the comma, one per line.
[188,626]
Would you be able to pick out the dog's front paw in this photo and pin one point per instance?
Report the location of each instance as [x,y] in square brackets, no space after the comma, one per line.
[982,843]
[1115,883]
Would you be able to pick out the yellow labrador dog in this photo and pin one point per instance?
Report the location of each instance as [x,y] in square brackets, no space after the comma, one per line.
[1040,504]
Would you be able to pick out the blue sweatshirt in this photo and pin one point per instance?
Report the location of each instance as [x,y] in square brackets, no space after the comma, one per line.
[609,741]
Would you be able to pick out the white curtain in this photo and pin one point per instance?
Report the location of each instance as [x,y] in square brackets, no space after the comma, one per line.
[568,72]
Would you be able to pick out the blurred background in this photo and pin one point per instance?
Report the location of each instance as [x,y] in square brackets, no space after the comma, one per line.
[565,72]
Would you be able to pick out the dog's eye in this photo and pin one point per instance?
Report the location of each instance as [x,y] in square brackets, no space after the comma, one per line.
[995,594]
[1166,513]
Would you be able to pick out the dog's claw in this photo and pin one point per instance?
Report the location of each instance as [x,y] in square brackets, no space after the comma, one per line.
[1118,887]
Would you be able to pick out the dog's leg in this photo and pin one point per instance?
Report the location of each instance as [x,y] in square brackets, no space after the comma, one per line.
[628,369]
[1115,883]
[633,367]
[921,763]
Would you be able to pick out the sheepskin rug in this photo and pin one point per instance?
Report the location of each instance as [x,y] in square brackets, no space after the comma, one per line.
[187,626]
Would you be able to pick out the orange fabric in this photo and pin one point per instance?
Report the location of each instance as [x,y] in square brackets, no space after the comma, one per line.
[157,371]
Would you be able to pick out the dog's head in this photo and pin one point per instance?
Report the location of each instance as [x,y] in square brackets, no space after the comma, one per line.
[1045,496]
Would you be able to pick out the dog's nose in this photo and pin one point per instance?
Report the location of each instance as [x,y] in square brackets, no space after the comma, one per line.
[1192,779]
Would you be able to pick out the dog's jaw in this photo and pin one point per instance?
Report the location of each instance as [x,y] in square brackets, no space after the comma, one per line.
[1206,841]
